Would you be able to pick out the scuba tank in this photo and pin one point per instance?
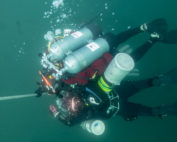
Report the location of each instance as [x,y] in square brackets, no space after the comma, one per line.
[116,71]
[95,127]
[63,47]
[84,56]
[119,67]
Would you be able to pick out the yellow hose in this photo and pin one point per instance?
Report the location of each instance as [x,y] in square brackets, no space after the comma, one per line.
[49,45]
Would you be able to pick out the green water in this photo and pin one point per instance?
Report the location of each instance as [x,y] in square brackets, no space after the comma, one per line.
[22,28]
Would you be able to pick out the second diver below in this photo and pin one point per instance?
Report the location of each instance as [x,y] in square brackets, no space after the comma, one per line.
[90,94]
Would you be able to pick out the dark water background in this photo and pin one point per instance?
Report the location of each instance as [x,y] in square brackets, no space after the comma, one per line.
[22,27]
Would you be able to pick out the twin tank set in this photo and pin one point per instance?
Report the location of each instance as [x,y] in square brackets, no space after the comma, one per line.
[82,48]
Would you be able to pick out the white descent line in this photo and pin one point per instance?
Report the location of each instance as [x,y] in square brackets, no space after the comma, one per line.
[16,97]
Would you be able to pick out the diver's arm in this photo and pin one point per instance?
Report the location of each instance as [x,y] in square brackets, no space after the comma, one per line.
[39,92]
[115,40]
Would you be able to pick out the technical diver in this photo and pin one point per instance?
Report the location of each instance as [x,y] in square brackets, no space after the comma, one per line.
[90,94]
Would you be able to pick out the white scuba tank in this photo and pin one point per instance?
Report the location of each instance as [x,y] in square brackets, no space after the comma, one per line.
[63,47]
[83,57]
[96,127]
[118,68]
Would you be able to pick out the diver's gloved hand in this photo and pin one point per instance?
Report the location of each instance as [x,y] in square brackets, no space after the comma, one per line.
[38,92]
[157,29]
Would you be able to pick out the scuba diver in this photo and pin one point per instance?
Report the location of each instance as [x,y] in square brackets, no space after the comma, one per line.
[85,90]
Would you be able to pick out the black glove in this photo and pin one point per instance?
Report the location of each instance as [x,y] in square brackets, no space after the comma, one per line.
[38,92]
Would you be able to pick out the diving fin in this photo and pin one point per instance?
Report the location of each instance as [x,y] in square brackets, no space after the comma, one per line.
[165,110]
[171,37]
[157,25]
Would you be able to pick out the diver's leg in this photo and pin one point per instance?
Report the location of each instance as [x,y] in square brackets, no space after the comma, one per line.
[157,29]
[168,38]
[157,36]
[129,88]
[168,78]
[165,110]
[115,40]
[138,53]
[156,26]
[158,32]
[123,36]
[130,111]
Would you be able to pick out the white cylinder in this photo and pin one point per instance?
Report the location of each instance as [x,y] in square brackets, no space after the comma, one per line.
[119,67]
[83,57]
[96,127]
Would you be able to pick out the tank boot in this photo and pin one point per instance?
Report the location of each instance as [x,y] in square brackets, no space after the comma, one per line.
[165,110]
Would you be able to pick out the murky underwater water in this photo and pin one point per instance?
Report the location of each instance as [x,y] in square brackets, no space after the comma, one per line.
[23,25]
